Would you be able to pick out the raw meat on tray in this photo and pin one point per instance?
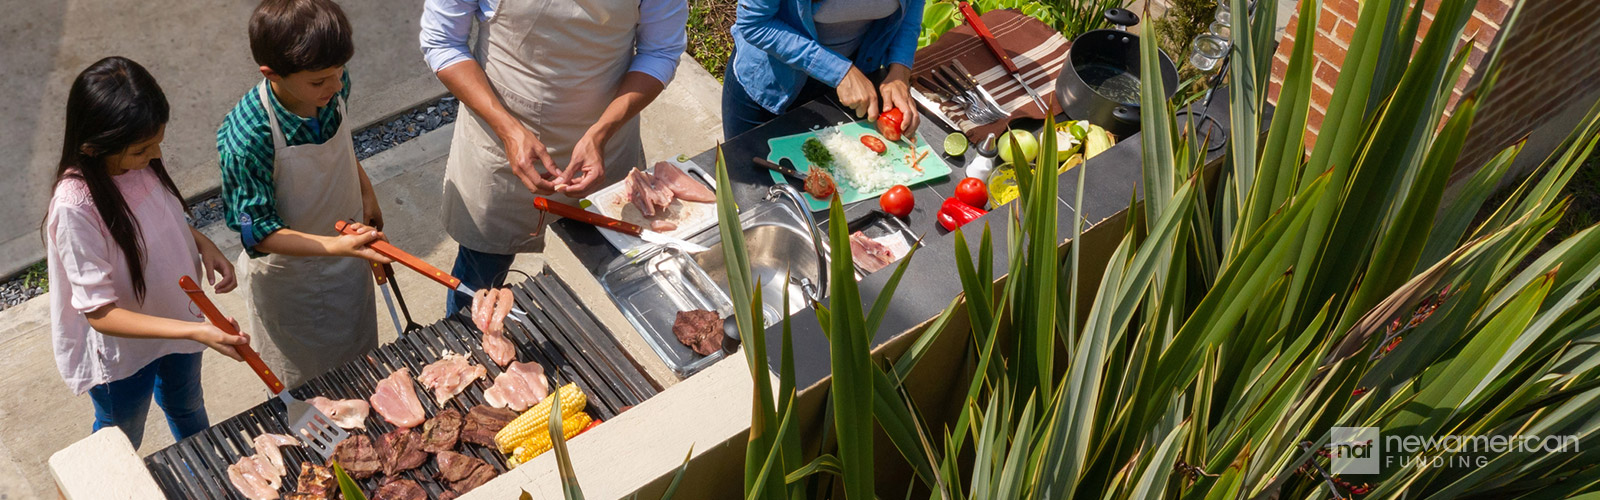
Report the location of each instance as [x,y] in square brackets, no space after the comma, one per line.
[699,329]
[869,253]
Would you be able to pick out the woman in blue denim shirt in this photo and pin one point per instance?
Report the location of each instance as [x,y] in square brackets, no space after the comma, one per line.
[791,51]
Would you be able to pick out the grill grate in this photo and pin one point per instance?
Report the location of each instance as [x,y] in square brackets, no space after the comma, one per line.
[561,334]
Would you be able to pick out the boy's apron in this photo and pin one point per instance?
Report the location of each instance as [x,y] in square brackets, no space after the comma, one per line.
[311,314]
[556,65]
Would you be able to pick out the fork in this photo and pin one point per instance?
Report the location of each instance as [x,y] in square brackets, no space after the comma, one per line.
[976,111]
[975,95]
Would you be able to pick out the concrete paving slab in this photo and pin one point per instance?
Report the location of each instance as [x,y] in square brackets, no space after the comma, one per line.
[39,415]
[199,53]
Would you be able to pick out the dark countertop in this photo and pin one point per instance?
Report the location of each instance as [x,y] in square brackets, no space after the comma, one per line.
[1113,178]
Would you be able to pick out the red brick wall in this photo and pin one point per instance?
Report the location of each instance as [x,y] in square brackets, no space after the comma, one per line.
[1335,27]
[1551,63]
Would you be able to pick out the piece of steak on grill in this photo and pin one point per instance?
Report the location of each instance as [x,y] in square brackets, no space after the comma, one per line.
[316,482]
[441,432]
[395,488]
[358,456]
[483,421]
[462,472]
[699,329]
[402,451]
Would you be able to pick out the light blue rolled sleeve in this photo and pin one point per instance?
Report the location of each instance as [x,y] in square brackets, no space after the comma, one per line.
[759,25]
[662,37]
[446,26]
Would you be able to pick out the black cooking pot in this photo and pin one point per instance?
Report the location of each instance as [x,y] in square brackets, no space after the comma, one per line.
[1100,82]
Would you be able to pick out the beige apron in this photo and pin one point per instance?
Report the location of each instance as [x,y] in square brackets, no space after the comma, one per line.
[311,314]
[556,66]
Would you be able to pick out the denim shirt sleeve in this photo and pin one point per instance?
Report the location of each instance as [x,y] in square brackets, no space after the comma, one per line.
[758,24]
[903,48]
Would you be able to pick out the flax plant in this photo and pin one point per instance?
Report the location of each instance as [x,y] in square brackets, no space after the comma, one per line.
[1250,307]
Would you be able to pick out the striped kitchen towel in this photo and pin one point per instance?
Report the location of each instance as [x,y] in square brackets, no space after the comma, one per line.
[1038,50]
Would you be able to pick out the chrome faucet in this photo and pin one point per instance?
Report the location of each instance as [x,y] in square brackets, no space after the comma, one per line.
[814,291]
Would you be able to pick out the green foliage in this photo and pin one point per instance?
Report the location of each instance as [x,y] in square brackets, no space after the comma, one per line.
[1070,17]
[709,33]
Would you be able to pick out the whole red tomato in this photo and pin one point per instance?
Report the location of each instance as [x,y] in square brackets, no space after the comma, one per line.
[972,192]
[889,123]
[897,201]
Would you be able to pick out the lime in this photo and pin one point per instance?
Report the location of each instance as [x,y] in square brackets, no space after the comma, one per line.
[955,144]
[1003,185]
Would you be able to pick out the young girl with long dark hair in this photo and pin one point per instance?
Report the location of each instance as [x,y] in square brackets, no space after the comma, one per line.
[117,242]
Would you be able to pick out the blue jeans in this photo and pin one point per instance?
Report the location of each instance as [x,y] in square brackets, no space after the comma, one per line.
[740,113]
[174,379]
[477,270]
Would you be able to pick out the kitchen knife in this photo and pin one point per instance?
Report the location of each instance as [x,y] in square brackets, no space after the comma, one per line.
[1000,53]
[388,298]
[386,249]
[571,212]
[769,165]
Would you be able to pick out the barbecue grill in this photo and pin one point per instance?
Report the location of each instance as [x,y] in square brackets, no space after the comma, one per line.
[560,334]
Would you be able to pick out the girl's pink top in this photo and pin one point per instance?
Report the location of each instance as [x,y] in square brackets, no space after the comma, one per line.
[88,271]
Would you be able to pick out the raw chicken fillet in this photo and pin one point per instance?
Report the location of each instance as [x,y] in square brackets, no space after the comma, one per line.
[346,413]
[519,388]
[396,399]
[450,375]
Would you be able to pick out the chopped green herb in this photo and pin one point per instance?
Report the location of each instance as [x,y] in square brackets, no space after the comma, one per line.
[816,153]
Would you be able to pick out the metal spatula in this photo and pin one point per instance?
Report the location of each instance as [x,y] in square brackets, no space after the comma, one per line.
[314,428]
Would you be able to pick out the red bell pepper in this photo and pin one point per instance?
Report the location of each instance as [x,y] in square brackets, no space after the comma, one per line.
[954,213]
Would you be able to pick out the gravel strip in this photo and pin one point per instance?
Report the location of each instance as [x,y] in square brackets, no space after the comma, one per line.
[369,141]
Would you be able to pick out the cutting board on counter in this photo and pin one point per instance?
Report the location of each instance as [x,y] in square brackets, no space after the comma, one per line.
[789,147]
[691,217]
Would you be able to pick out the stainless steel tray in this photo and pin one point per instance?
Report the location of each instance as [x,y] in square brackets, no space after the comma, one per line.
[652,287]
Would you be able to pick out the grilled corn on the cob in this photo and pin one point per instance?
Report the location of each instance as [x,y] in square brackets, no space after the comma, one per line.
[536,421]
[540,442]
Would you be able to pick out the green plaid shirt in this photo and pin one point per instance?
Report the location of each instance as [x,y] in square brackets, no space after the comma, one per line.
[244,143]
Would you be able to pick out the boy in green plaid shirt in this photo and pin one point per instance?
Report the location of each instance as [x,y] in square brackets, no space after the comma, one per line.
[289,172]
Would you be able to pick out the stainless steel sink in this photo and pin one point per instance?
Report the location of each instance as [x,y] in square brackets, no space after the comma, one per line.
[781,258]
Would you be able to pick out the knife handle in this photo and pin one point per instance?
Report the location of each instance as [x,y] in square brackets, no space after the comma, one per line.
[585,216]
[769,165]
[988,38]
[386,249]
[378,274]
[221,322]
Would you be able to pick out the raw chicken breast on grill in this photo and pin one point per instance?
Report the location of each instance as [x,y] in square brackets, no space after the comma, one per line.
[396,399]
[450,375]
[519,388]
[346,413]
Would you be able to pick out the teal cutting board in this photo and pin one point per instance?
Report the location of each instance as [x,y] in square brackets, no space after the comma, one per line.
[789,147]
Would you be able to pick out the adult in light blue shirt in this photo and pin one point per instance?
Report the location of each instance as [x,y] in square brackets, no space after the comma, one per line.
[791,51]
[550,97]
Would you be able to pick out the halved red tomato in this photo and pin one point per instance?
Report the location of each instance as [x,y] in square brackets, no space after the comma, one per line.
[873,143]
[889,123]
